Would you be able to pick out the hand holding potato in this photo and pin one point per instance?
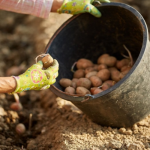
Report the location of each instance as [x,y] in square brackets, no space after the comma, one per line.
[35,78]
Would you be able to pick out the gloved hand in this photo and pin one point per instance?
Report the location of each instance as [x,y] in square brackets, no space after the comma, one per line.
[80,6]
[35,78]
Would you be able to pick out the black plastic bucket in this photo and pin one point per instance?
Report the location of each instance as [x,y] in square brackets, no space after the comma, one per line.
[84,36]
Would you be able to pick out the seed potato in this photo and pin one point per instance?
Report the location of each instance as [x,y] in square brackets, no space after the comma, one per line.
[64,82]
[97,91]
[96,81]
[104,74]
[47,61]
[110,61]
[70,90]
[123,62]
[84,82]
[79,73]
[102,66]
[88,75]
[101,58]
[82,90]
[89,69]
[84,63]
[105,86]
[115,75]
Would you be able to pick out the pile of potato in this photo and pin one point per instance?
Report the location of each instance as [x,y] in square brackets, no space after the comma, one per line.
[90,78]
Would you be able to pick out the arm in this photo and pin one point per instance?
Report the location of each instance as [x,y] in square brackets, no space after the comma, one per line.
[39,8]
[7,84]
[35,78]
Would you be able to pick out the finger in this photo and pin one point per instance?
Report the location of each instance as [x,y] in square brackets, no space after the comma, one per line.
[95,12]
[104,1]
[45,87]
[55,75]
[53,78]
[52,81]
[54,67]
[55,63]
[39,64]
[50,75]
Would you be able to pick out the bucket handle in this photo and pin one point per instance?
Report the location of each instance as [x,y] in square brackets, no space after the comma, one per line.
[87,97]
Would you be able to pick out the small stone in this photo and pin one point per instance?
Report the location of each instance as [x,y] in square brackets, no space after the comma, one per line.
[43,130]
[147,145]
[2,137]
[6,128]
[9,140]
[2,96]
[5,50]
[134,146]
[122,130]
[8,120]
[2,112]
[135,131]
[8,143]
[115,144]
[126,142]
[90,130]
[2,119]
[109,128]
[32,144]
[128,132]
[138,145]
[143,123]
[135,127]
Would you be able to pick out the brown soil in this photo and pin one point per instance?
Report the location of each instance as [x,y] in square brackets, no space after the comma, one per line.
[56,124]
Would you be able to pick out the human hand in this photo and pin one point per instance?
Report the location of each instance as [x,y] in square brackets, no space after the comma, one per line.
[80,6]
[35,78]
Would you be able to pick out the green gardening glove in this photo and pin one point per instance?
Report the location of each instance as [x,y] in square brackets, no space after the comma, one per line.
[80,6]
[35,78]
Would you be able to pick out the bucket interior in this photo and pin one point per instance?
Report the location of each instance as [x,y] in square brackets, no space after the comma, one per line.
[85,36]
